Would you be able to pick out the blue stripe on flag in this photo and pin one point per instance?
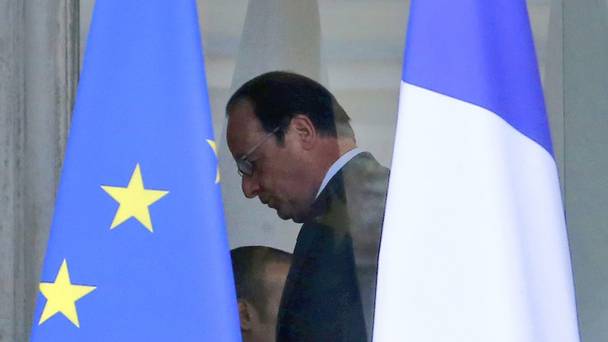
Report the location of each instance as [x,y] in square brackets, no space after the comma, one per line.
[480,52]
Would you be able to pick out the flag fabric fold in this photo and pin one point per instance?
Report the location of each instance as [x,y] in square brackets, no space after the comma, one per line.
[138,248]
[474,244]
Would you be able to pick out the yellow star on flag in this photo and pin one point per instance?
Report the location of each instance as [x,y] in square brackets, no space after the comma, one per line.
[214,147]
[134,200]
[61,296]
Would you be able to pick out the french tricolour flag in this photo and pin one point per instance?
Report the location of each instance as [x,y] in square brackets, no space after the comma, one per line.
[474,246]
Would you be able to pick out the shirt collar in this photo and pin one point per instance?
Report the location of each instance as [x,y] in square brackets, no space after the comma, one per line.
[337,165]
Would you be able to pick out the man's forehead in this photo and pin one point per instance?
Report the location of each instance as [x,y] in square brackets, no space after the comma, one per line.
[243,124]
[242,117]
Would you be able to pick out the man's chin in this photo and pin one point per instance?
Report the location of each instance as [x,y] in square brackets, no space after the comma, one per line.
[294,218]
[283,215]
[289,216]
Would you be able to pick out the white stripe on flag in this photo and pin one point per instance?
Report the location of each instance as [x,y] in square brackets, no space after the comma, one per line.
[474,245]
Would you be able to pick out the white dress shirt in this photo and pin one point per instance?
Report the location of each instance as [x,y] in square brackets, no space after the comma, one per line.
[337,165]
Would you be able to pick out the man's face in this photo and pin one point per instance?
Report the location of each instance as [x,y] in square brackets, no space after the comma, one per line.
[280,178]
[263,321]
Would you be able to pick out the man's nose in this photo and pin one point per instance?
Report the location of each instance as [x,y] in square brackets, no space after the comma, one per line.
[250,186]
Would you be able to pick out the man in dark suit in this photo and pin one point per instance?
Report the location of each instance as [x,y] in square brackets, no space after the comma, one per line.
[297,153]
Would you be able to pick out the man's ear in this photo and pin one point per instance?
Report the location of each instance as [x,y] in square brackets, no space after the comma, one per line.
[245,315]
[305,130]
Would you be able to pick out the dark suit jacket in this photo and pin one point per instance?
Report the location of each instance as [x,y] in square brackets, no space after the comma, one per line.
[330,290]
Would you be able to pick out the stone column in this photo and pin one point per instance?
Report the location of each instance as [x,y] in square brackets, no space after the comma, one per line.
[39,68]
[12,107]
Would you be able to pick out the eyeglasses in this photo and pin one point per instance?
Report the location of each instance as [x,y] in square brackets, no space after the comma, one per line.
[244,165]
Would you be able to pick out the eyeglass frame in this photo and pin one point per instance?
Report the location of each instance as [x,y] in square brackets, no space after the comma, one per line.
[243,164]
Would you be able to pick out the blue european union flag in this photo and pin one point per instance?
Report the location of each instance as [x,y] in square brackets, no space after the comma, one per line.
[138,248]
